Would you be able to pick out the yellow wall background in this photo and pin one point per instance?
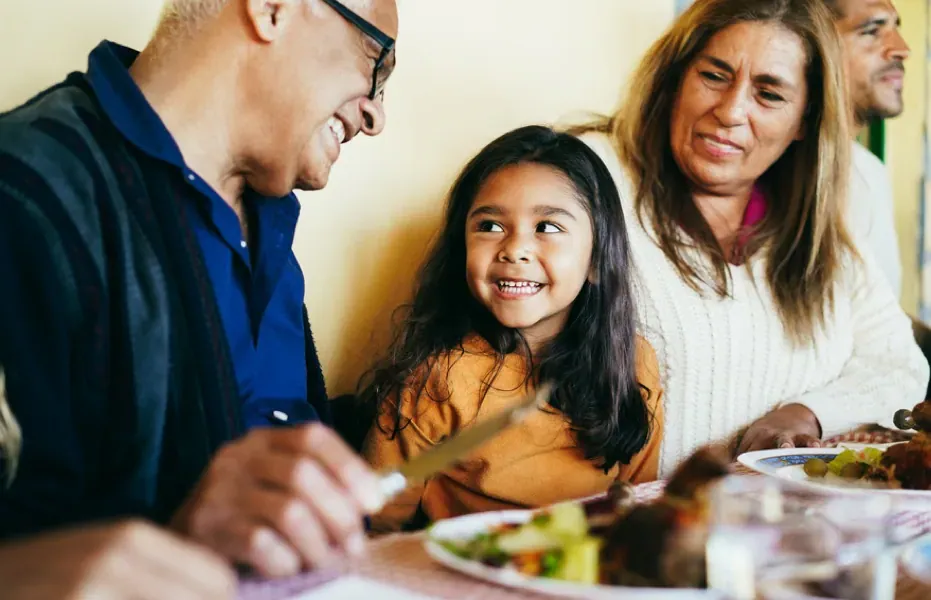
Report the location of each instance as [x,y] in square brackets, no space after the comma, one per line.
[904,147]
[467,71]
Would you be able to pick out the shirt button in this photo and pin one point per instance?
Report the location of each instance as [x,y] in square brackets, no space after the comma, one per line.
[243,244]
[190,177]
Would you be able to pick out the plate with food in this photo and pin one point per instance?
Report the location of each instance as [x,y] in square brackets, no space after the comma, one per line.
[895,469]
[616,546]
[902,470]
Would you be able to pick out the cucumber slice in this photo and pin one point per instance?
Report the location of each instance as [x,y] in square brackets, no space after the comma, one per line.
[580,561]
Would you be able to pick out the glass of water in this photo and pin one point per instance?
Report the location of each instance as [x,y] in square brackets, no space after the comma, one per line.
[775,540]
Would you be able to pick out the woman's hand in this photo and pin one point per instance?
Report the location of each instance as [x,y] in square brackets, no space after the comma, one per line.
[790,426]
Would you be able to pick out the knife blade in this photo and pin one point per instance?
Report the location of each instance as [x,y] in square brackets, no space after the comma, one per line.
[444,455]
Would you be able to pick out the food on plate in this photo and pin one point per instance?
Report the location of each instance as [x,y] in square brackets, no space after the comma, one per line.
[815,467]
[909,463]
[662,543]
[555,543]
[616,542]
[906,465]
[849,464]
[853,464]
[919,418]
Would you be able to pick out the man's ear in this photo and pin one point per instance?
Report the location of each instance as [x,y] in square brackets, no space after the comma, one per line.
[270,17]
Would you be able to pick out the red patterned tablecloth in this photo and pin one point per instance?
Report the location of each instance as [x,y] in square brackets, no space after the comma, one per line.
[401,561]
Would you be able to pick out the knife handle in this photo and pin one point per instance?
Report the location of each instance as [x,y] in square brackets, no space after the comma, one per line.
[392,484]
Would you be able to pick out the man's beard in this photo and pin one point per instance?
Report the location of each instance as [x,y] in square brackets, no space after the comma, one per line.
[873,109]
[865,114]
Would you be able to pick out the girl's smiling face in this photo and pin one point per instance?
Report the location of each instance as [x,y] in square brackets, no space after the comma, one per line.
[528,249]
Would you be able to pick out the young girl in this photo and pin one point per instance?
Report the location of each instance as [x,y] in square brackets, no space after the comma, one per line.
[528,282]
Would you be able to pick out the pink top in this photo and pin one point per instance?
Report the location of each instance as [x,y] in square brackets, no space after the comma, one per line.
[753,214]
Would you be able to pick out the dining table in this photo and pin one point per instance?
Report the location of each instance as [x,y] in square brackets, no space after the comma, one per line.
[398,566]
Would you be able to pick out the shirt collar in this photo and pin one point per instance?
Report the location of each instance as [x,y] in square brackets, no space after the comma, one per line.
[753,214]
[756,208]
[126,106]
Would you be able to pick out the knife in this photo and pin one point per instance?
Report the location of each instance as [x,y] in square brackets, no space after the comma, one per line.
[423,466]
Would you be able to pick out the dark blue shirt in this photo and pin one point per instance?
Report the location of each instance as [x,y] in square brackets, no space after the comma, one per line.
[259,289]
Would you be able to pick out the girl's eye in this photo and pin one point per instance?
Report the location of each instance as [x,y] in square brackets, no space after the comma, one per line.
[873,31]
[548,228]
[489,227]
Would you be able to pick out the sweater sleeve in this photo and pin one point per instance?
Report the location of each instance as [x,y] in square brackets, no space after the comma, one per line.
[886,371]
[424,423]
[38,308]
[644,466]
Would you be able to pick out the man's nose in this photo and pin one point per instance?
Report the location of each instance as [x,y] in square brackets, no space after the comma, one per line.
[897,48]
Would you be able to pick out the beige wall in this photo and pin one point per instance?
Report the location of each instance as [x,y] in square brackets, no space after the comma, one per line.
[467,72]
[42,40]
[465,75]
[904,153]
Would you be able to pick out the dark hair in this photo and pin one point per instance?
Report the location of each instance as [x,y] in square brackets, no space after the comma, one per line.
[591,362]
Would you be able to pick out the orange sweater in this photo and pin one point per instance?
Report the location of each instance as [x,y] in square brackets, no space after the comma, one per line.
[534,463]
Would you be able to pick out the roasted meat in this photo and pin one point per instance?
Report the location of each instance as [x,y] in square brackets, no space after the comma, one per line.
[662,544]
[909,463]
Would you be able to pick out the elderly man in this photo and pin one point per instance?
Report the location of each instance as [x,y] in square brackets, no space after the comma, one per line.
[119,560]
[153,308]
[875,51]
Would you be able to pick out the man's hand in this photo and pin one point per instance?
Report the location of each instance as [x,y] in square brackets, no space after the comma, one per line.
[112,562]
[790,426]
[281,500]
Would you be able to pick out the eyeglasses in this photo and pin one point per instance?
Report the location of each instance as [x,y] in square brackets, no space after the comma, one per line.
[379,74]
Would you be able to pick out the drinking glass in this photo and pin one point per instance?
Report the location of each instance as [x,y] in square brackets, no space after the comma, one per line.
[775,540]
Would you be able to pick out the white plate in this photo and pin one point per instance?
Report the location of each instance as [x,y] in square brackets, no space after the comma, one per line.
[788,463]
[465,528]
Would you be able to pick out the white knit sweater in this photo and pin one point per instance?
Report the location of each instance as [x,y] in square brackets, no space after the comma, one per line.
[725,362]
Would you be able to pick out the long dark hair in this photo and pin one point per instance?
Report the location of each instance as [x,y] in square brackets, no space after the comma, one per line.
[591,362]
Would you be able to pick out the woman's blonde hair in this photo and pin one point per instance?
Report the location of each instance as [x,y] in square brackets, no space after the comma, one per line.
[804,233]
[11,436]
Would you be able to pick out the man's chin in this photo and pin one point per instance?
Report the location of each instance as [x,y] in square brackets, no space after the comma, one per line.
[312,183]
[305,186]
[888,111]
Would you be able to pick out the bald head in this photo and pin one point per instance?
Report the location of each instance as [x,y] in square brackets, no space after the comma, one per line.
[382,13]
[191,11]
[310,75]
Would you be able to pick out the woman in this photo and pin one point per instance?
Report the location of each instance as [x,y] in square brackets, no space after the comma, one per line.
[731,155]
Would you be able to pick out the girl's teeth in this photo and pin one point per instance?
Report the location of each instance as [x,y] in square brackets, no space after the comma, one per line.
[518,287]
